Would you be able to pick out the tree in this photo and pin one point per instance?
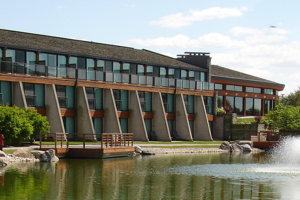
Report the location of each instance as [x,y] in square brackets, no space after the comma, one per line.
[18,124]
[292,99]
[284,118]
[39,123]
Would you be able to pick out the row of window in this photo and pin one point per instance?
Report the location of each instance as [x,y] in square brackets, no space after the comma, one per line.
[53,60]
[238,88]
[253,106]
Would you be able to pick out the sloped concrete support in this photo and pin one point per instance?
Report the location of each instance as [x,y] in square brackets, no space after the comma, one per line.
[19,95]
[136,120]
[202,129]
[53,110]
[160,125]
[84,119]
[182,124]
[111,119]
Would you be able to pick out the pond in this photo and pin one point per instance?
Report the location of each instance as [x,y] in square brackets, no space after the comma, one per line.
[187,176]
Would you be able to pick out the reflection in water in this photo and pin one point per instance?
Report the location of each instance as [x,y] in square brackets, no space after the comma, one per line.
[194,176]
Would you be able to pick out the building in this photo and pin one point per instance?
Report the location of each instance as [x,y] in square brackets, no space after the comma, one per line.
[87,87]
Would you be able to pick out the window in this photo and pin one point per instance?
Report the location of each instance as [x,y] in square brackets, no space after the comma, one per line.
[90,64]
[218,86]
[234,88]
[149,71]
[208,105]
[5,93]
[191,75]
[140,70]
[1,53]
[121,99]
[94,97]
[65,95]
[253,107]
[100,65]
[183,74]
[146,101]
[34,94]
[48,59]
[189,103]
[31,61]
[220,101]
[269,105]
[168,101]
[203,77]
[163,72]
[171,73]
[253,90]
[133,69]
[269,91]
[126,68]
[116,67]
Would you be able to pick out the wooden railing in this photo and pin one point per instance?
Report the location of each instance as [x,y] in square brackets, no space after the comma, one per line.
[264,136]
[113,140]
[108,140]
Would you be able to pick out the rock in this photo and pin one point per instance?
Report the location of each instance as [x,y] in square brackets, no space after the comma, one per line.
[37,153]
[2,163]
[225,146]
[23,153]
[246,148]
[242,142]
[138,149]
[236,147]
[48,156]
[147,152]
[2,154]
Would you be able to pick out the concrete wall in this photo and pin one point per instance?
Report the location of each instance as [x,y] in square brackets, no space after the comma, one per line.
[111,122]
[136,122]
[84,119]
[18,96]
[160,125]
[53,110]
[202,128]
[182,123]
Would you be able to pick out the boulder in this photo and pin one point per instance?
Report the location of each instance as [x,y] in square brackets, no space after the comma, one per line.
[23,153]
[246,147]
[236,147]
[2,162]
[138,149]
[2,154]
[242,142]
[225,146]
[45,156]
[147,152]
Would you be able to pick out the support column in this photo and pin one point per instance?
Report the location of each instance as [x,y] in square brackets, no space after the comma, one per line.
[160,124]
[136,120]
[53,110]
[19,95]
[111,120]
[84,119]
[202,129]
[182,123]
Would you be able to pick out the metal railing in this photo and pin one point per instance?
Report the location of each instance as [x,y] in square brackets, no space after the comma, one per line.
[94,75]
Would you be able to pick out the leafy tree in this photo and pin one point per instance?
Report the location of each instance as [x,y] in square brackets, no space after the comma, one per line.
[18,124]
[292,99]
[39,123]
[283,117]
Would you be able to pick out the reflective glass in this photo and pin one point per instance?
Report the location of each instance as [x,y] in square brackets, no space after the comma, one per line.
[116,67]
[171,73]
[238,105]
[82,74]
[73,62]
[108,66]
[62,61]
[108,76]
[249,106]
[191,75]
[163,72]
[134,79]
[125,78]
[257,107]
[126,68]
[140,70]
[90,64]
[99,75]
[30,60]
[149,70]
[100,65]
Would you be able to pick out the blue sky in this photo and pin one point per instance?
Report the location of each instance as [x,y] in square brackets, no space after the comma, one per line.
[258,37]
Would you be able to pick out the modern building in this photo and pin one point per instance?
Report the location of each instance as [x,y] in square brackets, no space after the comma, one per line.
[86,87]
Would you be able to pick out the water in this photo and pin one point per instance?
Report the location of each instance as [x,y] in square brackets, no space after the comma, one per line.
[193,176]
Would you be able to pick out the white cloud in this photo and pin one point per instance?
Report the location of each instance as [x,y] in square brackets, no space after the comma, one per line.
[179,20]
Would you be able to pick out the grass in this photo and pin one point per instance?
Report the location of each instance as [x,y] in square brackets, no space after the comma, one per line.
[9,151]
[248,120]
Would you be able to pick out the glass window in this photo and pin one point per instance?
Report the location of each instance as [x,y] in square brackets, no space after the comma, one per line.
[81,63]
[257,107]
[10,55]
[257,90]
[5,90]
[1,54]
[70,96]
[249,106]
[269,105]
[47,59]
[189,103]
[146,101]
[108,66]
[253,90]
[218,86]
[116,67]
[73,62]
[69,123]
[209,105]
[31,61]
[203,77]
[140,70]
[238,105]
[39,95]
[133,69]
[229,103]
[90,64]
[197,76]
[156,71]
[62,61]
[121,99]
[234,88]
[98,126]
[126,68]
[149,70]
[183,74]
[163,72]
[269,91]
[100,65]
[168,100]
[220,101]
[191,75]
[124,125]
[99,98]
[171,73]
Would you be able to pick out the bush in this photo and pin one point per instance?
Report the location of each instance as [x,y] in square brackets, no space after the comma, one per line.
[17,124]
[221,112]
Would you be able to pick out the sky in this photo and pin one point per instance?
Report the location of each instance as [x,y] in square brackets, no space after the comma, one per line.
[257,37]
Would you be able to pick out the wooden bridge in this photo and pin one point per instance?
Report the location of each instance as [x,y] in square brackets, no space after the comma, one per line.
[87,146]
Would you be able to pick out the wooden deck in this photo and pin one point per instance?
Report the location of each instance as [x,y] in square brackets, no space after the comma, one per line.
[263,140]
[112,145]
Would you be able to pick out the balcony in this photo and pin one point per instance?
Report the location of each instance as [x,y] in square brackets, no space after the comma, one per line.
[93,75]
